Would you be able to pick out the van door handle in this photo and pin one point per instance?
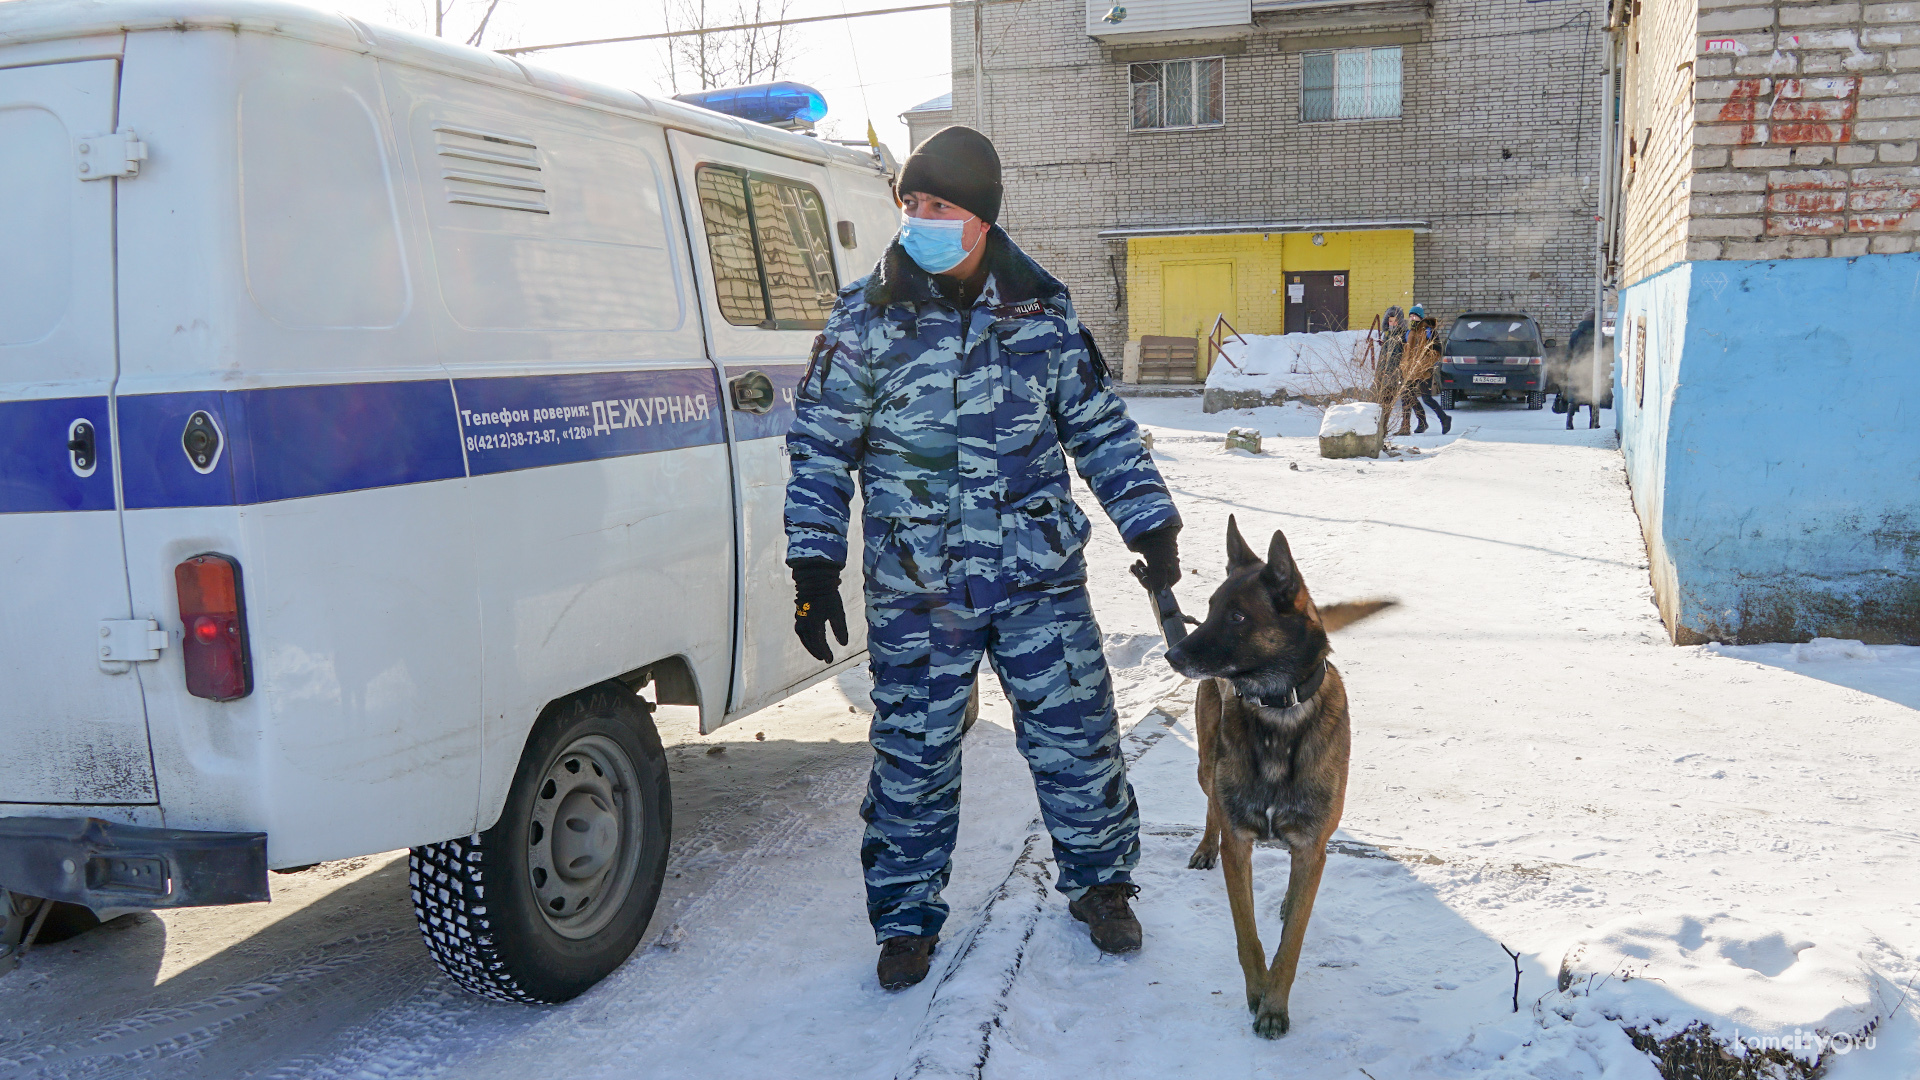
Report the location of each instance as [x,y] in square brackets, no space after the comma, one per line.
[82,453]
[751,392]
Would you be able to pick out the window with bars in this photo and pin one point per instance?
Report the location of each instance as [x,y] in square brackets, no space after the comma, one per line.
[768,239]
[1350,84]
[1177,93]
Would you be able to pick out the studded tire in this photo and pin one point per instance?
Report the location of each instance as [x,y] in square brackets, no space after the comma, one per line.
[557,894]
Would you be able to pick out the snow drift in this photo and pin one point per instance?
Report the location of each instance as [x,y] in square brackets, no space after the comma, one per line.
[1296,365]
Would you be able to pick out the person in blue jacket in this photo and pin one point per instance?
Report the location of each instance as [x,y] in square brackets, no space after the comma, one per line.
[955,381]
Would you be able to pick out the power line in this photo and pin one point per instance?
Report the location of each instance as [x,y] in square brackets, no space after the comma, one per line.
[703,31]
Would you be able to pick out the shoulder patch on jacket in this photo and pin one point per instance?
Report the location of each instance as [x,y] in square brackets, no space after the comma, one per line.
[1095,360]
[1025,309]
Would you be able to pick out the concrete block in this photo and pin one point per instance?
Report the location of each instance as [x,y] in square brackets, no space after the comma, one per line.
[1722,89]
[1763,158]
[1130,363]
[1712,134]
[1805,225]
[1764,249]
[1883,37]
[1898,151]
[1885,130]
[1819,15]
[1716,183]
[1703,249]
[1711,158]
[1806,249]
[1848,246]
[1725,20]
[1767,62]
[1892,245]
[1880,108]
[1721,205]
[1724,228]
[1888,13]
[1245,438]
[1853,155]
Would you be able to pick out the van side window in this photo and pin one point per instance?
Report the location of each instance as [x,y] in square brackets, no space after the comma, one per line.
[771,249]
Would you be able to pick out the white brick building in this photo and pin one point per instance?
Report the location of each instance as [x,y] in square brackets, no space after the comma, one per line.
[1198,157]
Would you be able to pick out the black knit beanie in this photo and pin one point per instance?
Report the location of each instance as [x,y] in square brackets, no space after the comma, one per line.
[957,164]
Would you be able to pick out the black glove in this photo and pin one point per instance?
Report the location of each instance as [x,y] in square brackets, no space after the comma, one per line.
[1161,549]
[816,586]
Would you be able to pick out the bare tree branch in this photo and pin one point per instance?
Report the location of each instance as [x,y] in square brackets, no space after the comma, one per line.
[704,61]
[480,31]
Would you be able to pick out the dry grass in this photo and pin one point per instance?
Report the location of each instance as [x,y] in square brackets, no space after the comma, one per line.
[1696,1053]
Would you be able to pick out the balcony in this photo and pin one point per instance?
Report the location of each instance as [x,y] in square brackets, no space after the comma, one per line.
[1120,21]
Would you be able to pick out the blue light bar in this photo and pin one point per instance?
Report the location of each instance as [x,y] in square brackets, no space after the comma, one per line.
[780,104]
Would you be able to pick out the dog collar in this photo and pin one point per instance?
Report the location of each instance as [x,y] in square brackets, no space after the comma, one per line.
[1297,693]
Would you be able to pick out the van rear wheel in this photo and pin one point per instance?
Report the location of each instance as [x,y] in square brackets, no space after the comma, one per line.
[558,892]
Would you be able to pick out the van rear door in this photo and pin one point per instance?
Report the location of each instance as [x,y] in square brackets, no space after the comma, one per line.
[73,728]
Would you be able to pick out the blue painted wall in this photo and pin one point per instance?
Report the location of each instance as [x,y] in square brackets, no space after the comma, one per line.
[1770,417]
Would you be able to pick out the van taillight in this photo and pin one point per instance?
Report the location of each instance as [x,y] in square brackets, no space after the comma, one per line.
[213,620]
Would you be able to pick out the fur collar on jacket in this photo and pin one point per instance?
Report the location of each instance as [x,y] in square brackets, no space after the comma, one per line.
[897,279]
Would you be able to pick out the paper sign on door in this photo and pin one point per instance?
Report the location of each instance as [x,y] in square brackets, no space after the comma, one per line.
[1296,294]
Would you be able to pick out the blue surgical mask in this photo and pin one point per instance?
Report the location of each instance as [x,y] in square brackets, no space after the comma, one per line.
[934,243]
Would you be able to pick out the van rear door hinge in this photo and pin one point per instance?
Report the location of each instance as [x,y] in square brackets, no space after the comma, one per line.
[99,157]
[132,640]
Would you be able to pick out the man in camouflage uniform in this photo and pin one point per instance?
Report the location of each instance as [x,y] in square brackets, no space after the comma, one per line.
[955,380]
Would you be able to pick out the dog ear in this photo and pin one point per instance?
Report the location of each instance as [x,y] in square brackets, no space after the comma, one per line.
[1339,616]
[1281,574]
[1238,553]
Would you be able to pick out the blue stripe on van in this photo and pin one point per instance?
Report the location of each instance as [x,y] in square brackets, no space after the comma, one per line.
[778,420]
[36,473]
[299,441]
[290,442]
[533,421]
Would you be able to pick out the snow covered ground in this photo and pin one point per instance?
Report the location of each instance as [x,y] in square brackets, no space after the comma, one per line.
[1721,834]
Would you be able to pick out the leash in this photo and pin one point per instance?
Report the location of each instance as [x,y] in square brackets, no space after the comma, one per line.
[1166,610]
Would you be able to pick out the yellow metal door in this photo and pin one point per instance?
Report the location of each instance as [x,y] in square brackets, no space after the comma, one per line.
[1192,295]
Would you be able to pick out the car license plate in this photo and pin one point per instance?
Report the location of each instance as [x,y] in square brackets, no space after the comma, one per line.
[1490,379]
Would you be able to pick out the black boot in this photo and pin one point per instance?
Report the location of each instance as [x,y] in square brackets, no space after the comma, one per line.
[904,960]
[1104,909]
[1446,424]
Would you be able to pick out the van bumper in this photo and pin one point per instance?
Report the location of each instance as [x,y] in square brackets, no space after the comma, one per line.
[101,864]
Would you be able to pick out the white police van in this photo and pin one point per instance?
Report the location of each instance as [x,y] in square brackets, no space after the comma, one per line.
[385,426]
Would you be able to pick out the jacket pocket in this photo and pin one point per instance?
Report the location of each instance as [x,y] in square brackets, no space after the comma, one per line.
[906,553]
[1044,531]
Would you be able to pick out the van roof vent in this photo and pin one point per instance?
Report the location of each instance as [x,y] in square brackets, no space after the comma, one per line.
[486,168]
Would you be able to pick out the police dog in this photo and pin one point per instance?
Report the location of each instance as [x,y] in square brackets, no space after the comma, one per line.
[1274,739]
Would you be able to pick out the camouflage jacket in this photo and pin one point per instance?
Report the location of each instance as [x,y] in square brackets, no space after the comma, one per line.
[958,424]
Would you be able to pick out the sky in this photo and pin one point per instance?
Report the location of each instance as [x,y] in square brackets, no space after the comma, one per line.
[866,68]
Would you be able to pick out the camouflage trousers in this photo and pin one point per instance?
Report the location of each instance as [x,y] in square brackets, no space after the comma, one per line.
[1046,650]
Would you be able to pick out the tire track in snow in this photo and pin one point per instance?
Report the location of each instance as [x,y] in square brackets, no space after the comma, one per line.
[955,1038]
[434,1032]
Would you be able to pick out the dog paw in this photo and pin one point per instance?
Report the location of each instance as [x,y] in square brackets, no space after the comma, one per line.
[1271,1025]
[1203,858]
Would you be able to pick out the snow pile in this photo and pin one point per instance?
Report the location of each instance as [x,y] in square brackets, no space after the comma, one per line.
[1826,648]
[1760,986]
[1351,418]
[1316,364]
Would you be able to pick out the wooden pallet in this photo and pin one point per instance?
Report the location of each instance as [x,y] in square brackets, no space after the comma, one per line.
[1169,360]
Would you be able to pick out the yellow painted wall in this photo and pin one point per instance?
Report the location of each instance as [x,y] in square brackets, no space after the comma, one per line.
[1380,274]
[1379,265]
[1256,279]
[1303,254]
